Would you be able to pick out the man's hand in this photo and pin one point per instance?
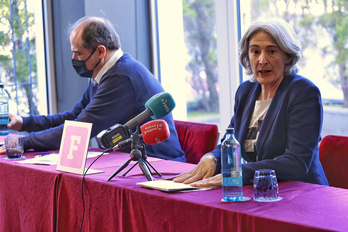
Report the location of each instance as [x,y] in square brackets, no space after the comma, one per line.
[204,169]
[16,122]
[2,150]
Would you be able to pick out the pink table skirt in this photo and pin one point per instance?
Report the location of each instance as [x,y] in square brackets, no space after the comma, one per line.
[27,196]
[39,198]
[121,205]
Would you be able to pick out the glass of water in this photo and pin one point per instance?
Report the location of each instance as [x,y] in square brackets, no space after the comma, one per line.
[266,186]
[14,146]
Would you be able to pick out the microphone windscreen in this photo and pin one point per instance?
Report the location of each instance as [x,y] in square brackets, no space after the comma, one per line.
[160,104]
[155,131]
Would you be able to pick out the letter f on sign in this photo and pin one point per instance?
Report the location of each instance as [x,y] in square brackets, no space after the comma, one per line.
[73,147]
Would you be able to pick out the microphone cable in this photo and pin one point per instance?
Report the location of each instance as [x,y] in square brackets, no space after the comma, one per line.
[83,178]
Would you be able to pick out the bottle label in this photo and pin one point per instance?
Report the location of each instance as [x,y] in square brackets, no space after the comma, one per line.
[4,116]
[232,181]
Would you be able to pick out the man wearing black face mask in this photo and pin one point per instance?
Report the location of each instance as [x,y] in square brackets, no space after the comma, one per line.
[80,66]
[117,92]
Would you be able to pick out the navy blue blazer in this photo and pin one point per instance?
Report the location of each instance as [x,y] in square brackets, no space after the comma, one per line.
[289,135]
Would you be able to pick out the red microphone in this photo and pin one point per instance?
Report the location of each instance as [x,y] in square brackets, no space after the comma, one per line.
[152,132]
[155,131]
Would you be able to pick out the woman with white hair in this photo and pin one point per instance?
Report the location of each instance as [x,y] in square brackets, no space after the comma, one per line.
[277,114]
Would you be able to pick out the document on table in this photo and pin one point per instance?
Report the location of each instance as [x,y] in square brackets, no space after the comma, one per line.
[51,158]
[170,186]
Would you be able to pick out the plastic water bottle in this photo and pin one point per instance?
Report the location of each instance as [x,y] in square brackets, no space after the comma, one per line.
[231,166]
[4,111]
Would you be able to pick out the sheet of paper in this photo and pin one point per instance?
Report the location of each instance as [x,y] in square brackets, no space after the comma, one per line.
[92,154]
[93,171]
[169,186]
[46,159]
[52,159]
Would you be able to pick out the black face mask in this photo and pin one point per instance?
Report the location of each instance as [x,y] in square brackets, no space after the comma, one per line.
[80,66]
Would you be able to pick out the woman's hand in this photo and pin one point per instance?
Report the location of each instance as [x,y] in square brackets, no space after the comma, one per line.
[16,122]
[204,169]
[214,181]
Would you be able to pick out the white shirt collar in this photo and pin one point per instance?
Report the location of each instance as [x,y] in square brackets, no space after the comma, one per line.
[113,59]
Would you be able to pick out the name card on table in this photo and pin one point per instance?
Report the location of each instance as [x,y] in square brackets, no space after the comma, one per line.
[74,147]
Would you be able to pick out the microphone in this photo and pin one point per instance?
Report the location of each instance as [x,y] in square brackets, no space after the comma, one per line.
[152,132]
[155,131]
[157,106]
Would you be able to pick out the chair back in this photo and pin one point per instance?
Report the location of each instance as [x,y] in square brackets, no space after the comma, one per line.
[196,139]
[333,154]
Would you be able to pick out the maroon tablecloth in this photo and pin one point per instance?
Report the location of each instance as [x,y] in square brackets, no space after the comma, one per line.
[121,205]
[27,196]
[39,198]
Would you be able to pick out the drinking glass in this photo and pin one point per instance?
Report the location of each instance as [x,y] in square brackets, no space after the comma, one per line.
[14,146]
[266,186]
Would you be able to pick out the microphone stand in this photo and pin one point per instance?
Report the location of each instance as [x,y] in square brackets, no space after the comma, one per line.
[138,154]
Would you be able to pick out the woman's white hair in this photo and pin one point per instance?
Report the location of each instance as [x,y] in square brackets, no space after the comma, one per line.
[282,33]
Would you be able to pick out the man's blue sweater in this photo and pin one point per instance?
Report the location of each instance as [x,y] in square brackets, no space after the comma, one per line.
[119,97]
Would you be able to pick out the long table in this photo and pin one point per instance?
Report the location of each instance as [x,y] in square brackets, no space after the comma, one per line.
[39,198]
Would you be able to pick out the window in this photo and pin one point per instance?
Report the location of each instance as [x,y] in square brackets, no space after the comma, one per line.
[197,53]
[187,53]
[202,86]
[212,71]
[21,48]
